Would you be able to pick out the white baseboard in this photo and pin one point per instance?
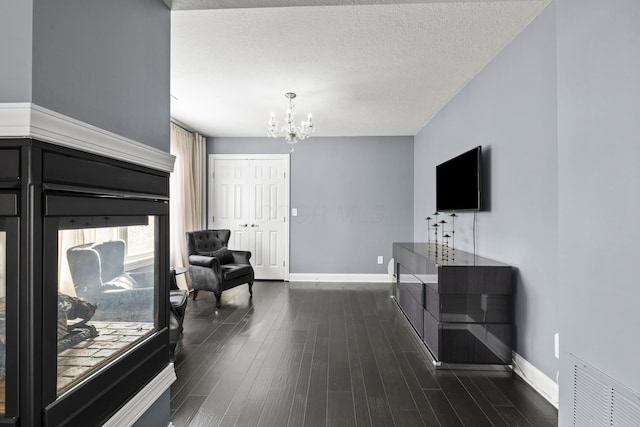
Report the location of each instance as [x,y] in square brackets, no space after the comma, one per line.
[544,385]
[141,402]
[26,120]
[338,277]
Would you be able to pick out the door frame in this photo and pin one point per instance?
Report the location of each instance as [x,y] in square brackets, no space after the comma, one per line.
[287,189]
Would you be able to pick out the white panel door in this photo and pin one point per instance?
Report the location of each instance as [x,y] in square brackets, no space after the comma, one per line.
[249,196]
[268,217]
[231,201]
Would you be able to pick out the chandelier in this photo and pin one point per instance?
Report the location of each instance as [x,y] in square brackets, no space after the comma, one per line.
[291,133]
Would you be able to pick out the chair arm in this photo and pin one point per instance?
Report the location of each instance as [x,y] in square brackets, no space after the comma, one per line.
[241,257]
[143,279]
[204,261]
[206,277]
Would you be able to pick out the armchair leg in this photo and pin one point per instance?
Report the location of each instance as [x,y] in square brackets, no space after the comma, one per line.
[250,288]
[195,294]
[217,300]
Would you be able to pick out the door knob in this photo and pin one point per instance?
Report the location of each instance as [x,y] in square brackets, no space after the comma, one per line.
[243,225]
[255,225]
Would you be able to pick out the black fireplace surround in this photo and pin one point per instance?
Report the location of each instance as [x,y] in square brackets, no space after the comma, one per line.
[45,189]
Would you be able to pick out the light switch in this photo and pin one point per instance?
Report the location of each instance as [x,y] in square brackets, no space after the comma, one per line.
[294,211]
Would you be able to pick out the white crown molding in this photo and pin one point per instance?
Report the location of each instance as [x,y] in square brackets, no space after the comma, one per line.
[544,385]
[27,120]
[333,277]
[142,401]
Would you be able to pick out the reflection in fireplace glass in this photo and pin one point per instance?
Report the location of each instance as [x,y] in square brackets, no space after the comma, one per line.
[3,329]
[107,275]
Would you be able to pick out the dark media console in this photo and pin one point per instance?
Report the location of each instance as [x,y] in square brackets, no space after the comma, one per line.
[460,306]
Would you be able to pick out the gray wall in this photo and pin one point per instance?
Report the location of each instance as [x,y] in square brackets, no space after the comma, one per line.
[158,414]
[105,63]
[599,178]
[15,50]
[509,109]
[354,197]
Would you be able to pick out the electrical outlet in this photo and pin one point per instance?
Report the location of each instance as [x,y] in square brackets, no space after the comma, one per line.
[380,259]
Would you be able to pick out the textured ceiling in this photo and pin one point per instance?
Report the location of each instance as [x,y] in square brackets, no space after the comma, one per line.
[374,68]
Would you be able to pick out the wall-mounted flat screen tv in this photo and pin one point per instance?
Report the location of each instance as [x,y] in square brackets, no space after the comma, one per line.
[459,182]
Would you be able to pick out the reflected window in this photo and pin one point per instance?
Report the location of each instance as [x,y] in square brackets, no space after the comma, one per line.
[108,275]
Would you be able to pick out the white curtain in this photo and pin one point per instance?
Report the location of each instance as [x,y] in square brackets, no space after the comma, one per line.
[187,191]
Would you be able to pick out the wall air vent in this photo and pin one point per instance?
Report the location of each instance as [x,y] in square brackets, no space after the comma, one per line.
[599,400]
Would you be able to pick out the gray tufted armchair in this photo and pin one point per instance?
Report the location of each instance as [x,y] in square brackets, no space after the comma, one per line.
[213,267]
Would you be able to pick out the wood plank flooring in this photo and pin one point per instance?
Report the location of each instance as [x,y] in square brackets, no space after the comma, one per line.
[329,354]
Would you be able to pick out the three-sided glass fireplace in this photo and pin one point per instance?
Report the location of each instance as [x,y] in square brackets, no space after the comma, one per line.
[83,283]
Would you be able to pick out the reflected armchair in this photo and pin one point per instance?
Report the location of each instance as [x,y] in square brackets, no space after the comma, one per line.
[215,268]
[97,270]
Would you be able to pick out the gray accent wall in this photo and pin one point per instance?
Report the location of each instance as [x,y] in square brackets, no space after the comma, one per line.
[249,145]
[599,181]
[509,109]
[16,27]
[158,414]
[354,197]
[106,63]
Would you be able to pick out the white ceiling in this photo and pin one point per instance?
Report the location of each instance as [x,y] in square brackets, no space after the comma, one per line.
[370,67]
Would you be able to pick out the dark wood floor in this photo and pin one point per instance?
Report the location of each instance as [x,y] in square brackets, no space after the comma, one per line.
[305,354]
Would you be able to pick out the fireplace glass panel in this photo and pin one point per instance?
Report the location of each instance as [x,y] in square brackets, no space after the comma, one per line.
[107,280]
[3,307]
